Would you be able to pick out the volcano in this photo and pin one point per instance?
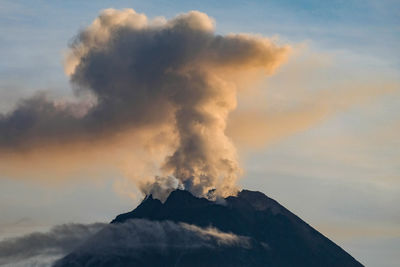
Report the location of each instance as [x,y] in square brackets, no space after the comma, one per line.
[249,229]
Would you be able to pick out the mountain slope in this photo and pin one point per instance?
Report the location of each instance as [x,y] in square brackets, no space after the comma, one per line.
[275,236]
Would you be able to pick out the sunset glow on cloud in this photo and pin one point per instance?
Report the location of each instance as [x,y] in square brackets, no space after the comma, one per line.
[105,102]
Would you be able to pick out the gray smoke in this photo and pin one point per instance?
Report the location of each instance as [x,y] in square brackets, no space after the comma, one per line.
[142,73]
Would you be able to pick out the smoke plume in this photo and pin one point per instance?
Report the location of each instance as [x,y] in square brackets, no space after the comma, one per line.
[156,74]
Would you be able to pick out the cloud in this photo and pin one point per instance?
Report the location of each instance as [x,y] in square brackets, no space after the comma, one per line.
[133,237]
[136,240]
[310,89]
[142,75]
[43,248]
[256,128]
[145,234]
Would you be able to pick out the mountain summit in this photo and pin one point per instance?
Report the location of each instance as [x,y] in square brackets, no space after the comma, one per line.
[249,229]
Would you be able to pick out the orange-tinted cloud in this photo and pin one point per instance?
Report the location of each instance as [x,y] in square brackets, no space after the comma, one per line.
[143,74]
[299,97]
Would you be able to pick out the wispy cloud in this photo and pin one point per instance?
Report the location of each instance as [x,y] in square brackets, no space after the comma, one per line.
[135,236]
[42,249]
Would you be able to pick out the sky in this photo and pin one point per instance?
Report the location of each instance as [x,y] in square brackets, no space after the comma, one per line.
[320,135]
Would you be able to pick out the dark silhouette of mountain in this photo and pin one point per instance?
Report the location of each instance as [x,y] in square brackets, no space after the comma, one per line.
[275,236]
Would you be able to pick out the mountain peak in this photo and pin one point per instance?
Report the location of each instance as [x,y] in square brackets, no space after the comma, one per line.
[182,198]
[277,236]
[180,195]
[148,205]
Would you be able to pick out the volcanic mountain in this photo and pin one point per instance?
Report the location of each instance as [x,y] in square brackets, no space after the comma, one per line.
[249,229]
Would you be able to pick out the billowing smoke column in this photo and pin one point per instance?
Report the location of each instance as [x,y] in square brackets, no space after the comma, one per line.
[144,73]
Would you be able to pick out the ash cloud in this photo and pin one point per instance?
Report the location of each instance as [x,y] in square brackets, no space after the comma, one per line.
[140,73]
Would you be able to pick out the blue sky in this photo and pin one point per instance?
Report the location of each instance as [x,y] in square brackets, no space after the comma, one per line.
[339,171]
